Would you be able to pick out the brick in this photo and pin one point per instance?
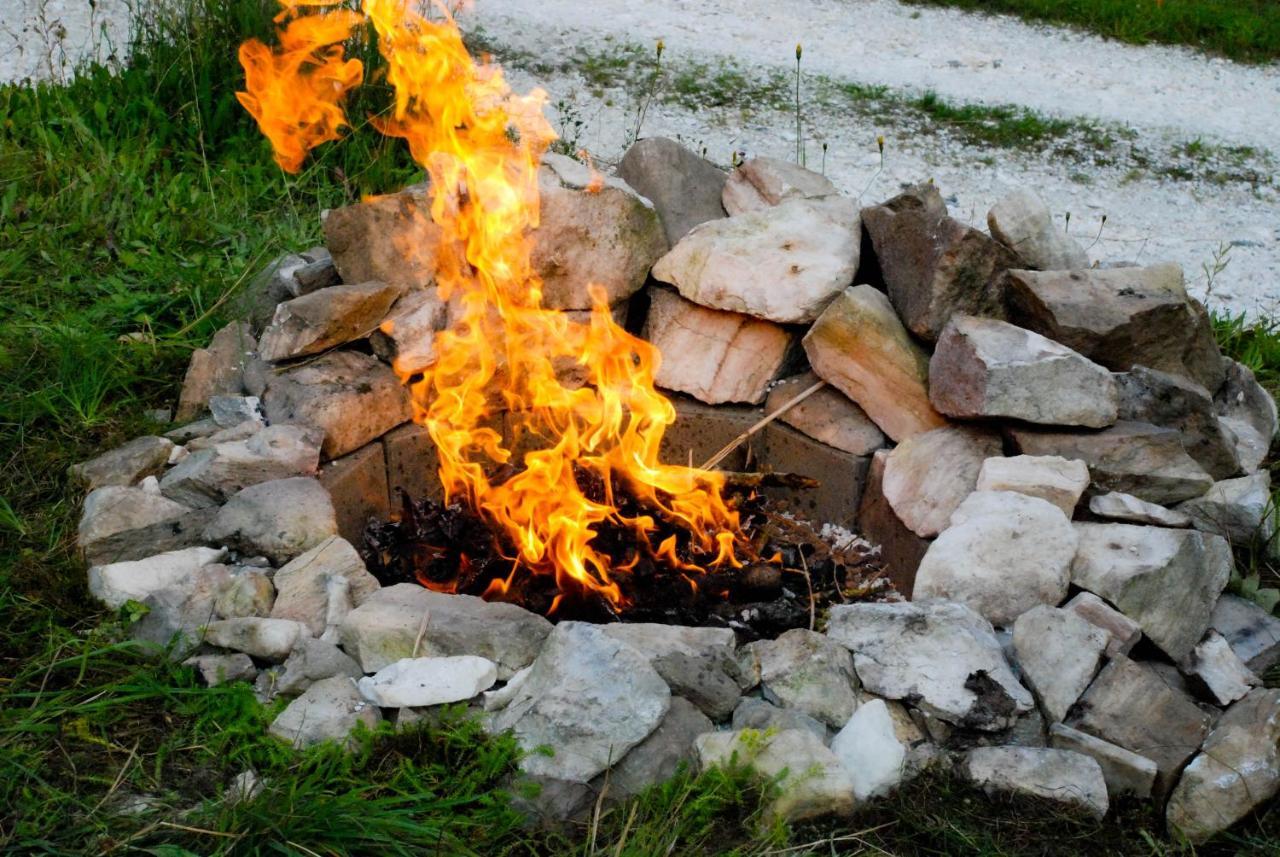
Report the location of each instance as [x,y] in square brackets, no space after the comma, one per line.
[841,475]
[702,430]
[900,549]
[357,484]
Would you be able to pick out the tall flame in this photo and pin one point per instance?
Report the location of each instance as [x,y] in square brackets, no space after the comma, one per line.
[481,146]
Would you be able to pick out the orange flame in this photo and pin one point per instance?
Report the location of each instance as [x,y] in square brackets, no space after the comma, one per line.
[481,145]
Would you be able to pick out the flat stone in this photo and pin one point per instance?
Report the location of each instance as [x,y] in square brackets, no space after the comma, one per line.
[390,238]
[1003,554]
[1059,652]
[164,536]
[429,681]
[279,519]
[983,367]
[900,548]
[218,369]
[1129,509]
[1253,633]
[1058,480]
[589,697]
[1214,663]
[273,284]
[1124,632]
[712,355]
[1066,777]
[326,319]
[658,758]
[702,682]
[761,715]
[1249,412]
[406,337]
[827,416]
[683,187]
[407,620]
[124,465]
[269,639]
[1172,401]
[1238,770]
[941,656]
[592,229]
[134,580]
[869,749]
[1126,773]
[1121,318]
[927,476]
[1022,222]
[804,670]
[312,661]
[304,586]
[222,669]
[1167,581]
[1239,510]
[841,477]
[859,346]
[1132,458]
[810,779]
[1128,704]
[208,477]
[116,509]
[352,397]
[249,592]
[763,182]
[330,710]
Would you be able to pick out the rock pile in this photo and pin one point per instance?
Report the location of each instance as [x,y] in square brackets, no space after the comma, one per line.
[1055,459]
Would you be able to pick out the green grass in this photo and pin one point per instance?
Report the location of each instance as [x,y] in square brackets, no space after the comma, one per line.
[1245,30]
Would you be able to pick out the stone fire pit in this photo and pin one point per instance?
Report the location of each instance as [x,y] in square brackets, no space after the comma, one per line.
[1054,460]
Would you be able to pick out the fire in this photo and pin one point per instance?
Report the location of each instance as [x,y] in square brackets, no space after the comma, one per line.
[481,146]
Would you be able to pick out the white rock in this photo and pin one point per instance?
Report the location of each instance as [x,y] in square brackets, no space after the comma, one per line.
[280,519]
[1249,412]
[118,582]
[1022,222]
[329,710]
[1060,652]
[220,669]
[1125,772]
[496,700]
[1221,670]
[804,670]
[927,476]
[116,509]
[210,475]
[1063,776]
[1124,632]
[1134,510]
[417,682]
[269,639]
[810,779]
[761,182]
[248,593]
[1239,510]
[1059,480]
[311,661]
[869,749]
[304,584]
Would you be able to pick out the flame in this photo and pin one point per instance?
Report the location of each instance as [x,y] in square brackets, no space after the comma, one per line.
[481,146]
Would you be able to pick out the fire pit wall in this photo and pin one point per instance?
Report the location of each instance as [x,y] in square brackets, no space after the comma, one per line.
[1053,458]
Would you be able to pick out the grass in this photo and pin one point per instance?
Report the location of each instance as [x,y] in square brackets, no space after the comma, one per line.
[1244,30]
[133,210]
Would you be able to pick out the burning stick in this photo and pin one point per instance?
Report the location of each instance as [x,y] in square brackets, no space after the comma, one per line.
[740,439]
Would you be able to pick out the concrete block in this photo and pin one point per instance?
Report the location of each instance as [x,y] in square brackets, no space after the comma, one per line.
[701,430]
[900,549]
[841,475]
[357,484]
[411,464]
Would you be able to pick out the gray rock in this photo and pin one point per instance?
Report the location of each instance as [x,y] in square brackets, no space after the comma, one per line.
[927,476]
[326,319]
[406,337]
[249,592]
[176,614]
[1239,510]
[942,657]
[134,580]
[683,187]
[1050,477]
[221,368]
[1022,222]
[304,584]
[221,669]
[242,430]
[416,682]
[352,397]
[1223,673]
[1059,652]
[589,697]
[810,779]
[1132,458]
[230,411]
[870,751]
[1072,779]
[1167,581]
[407,620]
[1003,554]
[1126,773]
[983,367]
[761,715]
[1249,412]
[169,535]
[208,477]
[318,273]
[269,639]
[1172,401]
[115,509]
[701,681]
[124,465]
[1127,508]
[312,661]
[1253,633]
[273,284]
[827,416]
[657,758]
[1238,770]
[715,645]
[859,346]
[1124,632]
[279,519]
[804,670]
[329,710]
[763,182]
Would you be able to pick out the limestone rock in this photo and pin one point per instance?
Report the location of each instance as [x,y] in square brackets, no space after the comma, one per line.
[1124,633]
[171,534]
[1166,580]
[827,416]
[942,656]
[230,411]
[1253,633]
[249,592]
[1003,554]
[712,355]
[390,239]
[208,477]
[701,681]
[304,584]
[927,476]
[118,582]
[1126,773]
[125,465]
[312,661]
[1174,402]
[716,646]
[177,613]
[269,639]
[325,319]
[415,682]
[869,749]
[1239,510]
[763,182]
[1022,222]
[984,367]
[116,509]
[761,715]
[804,670]
[1059,652]
[900,548]
[859,346]
[683,187]
[657,758]
[279,519]
[219,369]
[1249,412]
[221,669]
[406,337]
[811,782]
[329,710]
[1064,776]
[1058,480]
[1214,663]
[1129,509]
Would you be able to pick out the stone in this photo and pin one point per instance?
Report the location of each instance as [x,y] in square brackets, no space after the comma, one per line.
[124,465]
[942,657]
[859,346]
[269,639]
[1131,458]
[986,368]
[1126,773]
[763,182]
[589,697]
[406,337]
[357,485]
[222,669]
[208,477]
[1172,401]
[1126,508]
[1223,673]
[1253,633]
[1165,580]
[1248,411]
[390,239]
[273,284]
[701,681]
[1120,317]
[683,187]
[115,509]
[806,671]
[827,416]
[1124,632]
[176,614]
[318,273]
[782,263]
[809,778]
[326,319]
[240,431]
[927,476]
[1063,776]
[901,550]
[230,411]
[303,585]
[712,355]
[1128,704]
[407,620]
[312,661]
[329,710]
[1059,652]
[659,757]
[762,716]
[935,267]
[841,477]
[1239,510]
[172,534]
[417,682]
[716,646]
[201,428]
[249,592]
[869,749]
[1003,554]
[218,369]
[1022,222]
[279,519]
[1057,480]
[134,580]
[1237,771]
[593,229]
[352,397]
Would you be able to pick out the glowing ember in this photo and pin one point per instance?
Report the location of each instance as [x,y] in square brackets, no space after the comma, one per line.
[481,146]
